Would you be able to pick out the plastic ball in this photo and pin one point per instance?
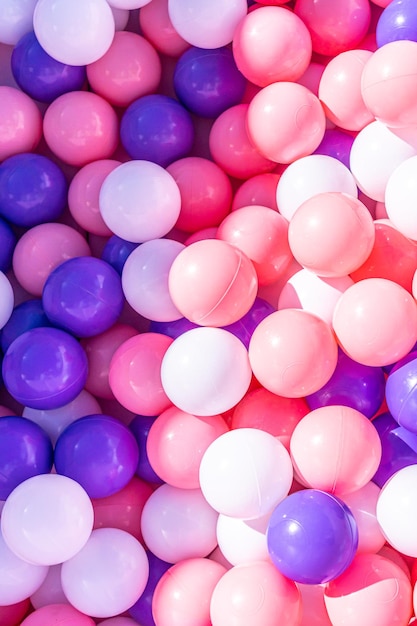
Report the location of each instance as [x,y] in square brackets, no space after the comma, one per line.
[110,559]
[130,68]
[8,242]
[282,43]
[243,328]
[337,144]
[397,21]
[142,609]
[139,201]
[157,128]
[58,613]
[21,122]
[362,503]
[259,190]
[16,19]
[13,614]
[128,4]
[78,284]
[243,541]
[293,353]
[78,34]
[50,591]
[119,621]
[27,315]
[207,24]
[47,519]
[173,329]
[400,392]
[312,537]
[39,75]
[6,299]
[206,371]
[178,524]
[156,25]
[369,337]
[255,593]
[400,196]
[116,251]
[140,427]
[399,448]
[43,248]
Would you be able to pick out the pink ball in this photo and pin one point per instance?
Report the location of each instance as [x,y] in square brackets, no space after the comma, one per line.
[157,27]
[20,123]
[271,44]
[335,449]
[340,90]
[363,503]
[293,353]
[259,190]
[50,592]
[206,193]
[80,127]
[135,374]
[334,26]
[41,249]
[176,443]
[295,114]
[255,593]
[389,83]
[83,196]
[130,68]
[262,234]
[57,614]
[331,234]
[212,283]
[375,321]
[183,594]
[13,614]
[231,147]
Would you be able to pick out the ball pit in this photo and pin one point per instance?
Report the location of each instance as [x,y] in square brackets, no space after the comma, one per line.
[208,312]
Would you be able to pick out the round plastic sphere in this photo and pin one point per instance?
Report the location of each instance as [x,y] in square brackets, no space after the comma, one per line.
[119,621]
[255,593]
[243,541]
[400,392]
[399,448]
[374,588]
[27,315]
[21,122]
[240,489]
[362,503]
[135,374]
[58,613]
[400,197]
[207,24]
[207,82]
[116,251]
[44,368]
[182,596]
[397,21]
[6,300]
[243,328]
[16,19]
[312,537]
[389,86]
[331,234]
[110,559]
[259,190]
[50,591]
[75,34]
[340,90]
[294,112]
[310,176]
[157,27]
[39,75]
[173,329]
[80,127]
[41,249]
[337,144]
[177,442]
[282,43]
[293,353]
[142,609]
[8,241]
[336,449]
[139,201]
[231,147]
[212,283]
[80,283]
[13,614]
[369,337]
[99,452]
[334,26]
[33,190]
[128,70]
[25,451]
[178,524]
[206,371]
[140,427]
[352,384]
[83,196]
[47,519]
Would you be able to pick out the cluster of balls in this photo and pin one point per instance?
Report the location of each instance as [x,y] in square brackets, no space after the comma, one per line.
[208,314]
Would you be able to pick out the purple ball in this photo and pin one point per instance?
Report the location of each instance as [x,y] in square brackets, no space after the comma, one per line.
[140,427]
[401,392]
[208,82]
[116,251]
[336,144]
[27,315]
[83,296]
[99,452]
[243,329]
[39,75]
[8,242]
[141,611]
[399,448]
[25,451]
[44,368]
[397,21]
[312,537]
[157,128]
[172,329]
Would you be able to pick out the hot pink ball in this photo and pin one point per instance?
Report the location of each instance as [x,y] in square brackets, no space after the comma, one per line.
[270,45]
[41,249]
[375,321]
[157,27]
[293,353]
[20,123]
[260,190]
[331,234]
[212,283]
[295,114]
[58,614]
[130,68]
[80,127]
